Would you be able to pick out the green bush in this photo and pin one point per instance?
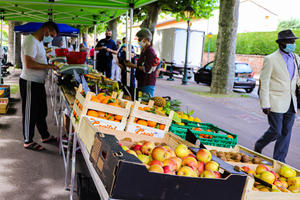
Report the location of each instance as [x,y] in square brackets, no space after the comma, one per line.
[254,43]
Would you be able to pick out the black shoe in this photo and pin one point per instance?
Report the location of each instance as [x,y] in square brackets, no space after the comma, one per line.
[257,150]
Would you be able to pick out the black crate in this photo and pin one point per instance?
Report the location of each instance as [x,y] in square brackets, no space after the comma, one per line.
[125,177]
[86,189]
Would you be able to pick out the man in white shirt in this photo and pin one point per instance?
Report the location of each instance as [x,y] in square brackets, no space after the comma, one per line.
[32,89]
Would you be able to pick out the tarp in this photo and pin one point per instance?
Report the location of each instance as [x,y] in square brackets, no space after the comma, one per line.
[64,29]
[85,12]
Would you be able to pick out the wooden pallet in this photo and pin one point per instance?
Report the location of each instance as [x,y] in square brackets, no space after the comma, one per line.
[87,133]
[145,130]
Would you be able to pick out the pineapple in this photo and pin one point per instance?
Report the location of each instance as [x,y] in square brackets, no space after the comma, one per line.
[159,101]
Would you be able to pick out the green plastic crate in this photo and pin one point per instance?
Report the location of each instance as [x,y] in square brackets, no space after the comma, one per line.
[219,136]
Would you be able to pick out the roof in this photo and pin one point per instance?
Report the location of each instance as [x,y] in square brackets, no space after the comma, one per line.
[85,12]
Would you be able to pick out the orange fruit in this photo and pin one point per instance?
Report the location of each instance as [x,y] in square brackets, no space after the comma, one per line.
[114,104]
[135,120]
[230,136]
[197,129]
[151,124]
[142,122]
[141,108]
[92,113]
[162,127]
[95,99]
[110,117]
[146,108]
[118,117]
[100,95]
[101,98]
[101,114]
[208,130]
[106,99]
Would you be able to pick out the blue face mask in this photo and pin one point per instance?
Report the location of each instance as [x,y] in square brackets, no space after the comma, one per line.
[47,39]
[290,48]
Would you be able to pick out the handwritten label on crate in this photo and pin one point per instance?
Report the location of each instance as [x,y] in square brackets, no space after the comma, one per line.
[103,123]
[145,130]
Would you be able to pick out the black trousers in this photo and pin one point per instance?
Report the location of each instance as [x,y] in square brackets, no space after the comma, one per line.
[34,109]
[104,66]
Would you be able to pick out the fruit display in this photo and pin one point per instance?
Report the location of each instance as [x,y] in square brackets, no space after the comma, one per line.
[104,115]
[179,161]
[149,123]
[236,157]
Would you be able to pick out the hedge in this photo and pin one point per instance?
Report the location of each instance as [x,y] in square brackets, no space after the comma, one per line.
[254,43]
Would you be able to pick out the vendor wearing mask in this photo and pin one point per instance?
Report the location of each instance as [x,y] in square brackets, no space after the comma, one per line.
[106,48]
[147,63]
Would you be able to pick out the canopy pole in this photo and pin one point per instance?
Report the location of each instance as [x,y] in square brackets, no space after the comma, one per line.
[127,48]
[95,38]
[15,35]
[130,35]
[77,43]
[1,49]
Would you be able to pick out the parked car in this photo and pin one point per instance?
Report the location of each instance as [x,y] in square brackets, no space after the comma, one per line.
[243,76]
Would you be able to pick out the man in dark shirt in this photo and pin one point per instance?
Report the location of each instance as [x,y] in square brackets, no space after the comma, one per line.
[106,48]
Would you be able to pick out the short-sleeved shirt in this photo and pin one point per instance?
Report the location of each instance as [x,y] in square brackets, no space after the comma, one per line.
[147,60]
[35,49]
[103,54]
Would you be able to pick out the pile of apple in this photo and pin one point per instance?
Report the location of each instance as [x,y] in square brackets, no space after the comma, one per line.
[181,161]
[284,180]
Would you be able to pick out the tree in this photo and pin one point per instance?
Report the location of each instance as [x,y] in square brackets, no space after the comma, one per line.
[289,24]
[14,55]
[149,14]
[224,68]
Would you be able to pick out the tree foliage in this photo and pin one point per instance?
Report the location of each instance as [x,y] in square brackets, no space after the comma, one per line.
[289,24]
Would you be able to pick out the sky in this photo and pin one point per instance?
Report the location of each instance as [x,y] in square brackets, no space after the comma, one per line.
[285,9]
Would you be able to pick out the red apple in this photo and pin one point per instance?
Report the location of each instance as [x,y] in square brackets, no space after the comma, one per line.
[200,167]
[218,175]
[147,148]
[186,171]
[136,147]
[171,163]
[178,161]
[159,153]
[246,168]
[156,168]
[190,161]
[156,162]
[212,165]
[208,174]
[261,168]
[168,170]
[182,151]
[204,155]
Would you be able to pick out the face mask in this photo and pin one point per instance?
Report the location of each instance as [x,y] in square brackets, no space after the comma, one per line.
[142,44]
[47,39]
[290,48]
[108,37]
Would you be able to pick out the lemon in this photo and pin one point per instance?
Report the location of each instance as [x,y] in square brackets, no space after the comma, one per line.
[181,124]
[191,118]
[197,119]
[184,117]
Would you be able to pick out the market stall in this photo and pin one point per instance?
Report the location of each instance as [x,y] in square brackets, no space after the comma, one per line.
[147,149]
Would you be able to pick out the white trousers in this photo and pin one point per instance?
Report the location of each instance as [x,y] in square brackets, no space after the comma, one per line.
[115,71]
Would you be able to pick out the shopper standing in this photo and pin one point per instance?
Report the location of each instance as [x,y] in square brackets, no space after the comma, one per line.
[147,63]
[278,80]
[32,89]
[106,48]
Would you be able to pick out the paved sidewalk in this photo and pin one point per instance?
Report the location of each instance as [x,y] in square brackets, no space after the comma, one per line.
[26,174]
[237,114]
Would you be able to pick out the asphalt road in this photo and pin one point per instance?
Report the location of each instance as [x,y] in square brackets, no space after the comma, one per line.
[238,115]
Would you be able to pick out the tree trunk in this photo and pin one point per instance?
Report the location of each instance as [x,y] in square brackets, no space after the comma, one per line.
[11,49]
[18,62]
[224,68]
[113,26]
[151,20]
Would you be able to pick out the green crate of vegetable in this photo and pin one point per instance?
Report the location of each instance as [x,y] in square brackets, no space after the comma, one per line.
[207,133]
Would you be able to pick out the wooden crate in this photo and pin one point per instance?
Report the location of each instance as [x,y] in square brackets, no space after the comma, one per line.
[145,130]
[250,194]
[87,133]
[81,99]
[87,105]
[3,105]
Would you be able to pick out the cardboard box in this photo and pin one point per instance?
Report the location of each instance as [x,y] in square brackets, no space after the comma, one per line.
[125,177]
[4,105]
